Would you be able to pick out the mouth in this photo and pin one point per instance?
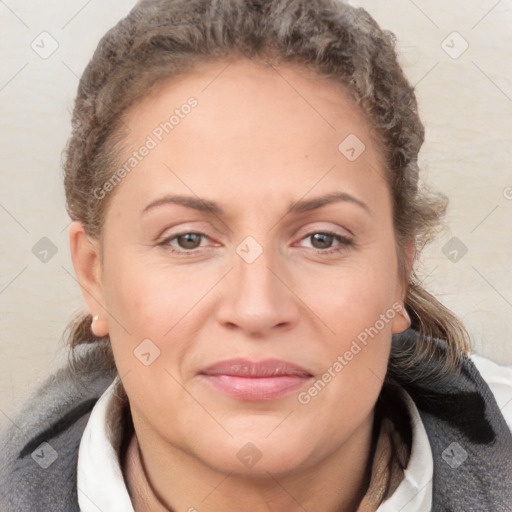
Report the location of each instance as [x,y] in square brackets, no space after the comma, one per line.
[256,381]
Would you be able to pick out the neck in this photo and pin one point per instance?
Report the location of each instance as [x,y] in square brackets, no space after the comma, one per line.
[161,477]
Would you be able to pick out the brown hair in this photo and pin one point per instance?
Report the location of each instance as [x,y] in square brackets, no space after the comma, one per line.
[160,39]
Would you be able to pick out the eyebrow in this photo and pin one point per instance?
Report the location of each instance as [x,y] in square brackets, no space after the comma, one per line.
[312,204]
[203,205]
[301,206]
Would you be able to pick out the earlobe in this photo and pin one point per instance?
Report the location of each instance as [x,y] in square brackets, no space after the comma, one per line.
[401,321]
[86,262]
[99,326]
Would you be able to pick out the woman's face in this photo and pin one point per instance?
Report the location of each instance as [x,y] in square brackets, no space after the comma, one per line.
[249,268]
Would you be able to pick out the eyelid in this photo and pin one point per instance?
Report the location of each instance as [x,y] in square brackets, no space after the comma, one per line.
[173,236]
[343,240]
[183,228]
[316,227]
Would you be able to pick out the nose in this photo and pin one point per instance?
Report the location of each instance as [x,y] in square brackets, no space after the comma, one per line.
[257,299]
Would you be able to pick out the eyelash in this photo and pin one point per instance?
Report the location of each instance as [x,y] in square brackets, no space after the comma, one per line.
[344,242]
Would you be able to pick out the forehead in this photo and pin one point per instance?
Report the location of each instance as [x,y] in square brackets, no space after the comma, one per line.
[252,127]
[244,83]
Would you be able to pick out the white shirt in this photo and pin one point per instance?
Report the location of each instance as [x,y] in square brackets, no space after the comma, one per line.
[101,484]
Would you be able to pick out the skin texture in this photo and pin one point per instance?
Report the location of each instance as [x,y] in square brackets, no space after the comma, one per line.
[259,140]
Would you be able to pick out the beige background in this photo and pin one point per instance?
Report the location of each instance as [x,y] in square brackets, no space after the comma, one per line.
[465,101]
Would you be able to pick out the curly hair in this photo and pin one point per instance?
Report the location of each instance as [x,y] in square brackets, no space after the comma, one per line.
[161,39]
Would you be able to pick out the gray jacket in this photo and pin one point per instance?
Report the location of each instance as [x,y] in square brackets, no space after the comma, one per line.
[39,451]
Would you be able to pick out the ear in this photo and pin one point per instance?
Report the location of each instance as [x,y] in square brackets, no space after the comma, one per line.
[87,264]
[402,320]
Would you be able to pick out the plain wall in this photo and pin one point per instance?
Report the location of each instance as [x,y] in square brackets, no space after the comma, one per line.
[465,102]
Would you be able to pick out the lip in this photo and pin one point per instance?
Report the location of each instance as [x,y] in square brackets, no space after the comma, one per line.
[255,380]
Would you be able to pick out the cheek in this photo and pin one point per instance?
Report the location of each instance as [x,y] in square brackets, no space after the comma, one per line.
[353,297]
[152,301]
[151,298]
[146,331]
[356,359]
[355,305]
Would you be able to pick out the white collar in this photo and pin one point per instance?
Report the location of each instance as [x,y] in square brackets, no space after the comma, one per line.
[100,482]
[101,485]
[414,494]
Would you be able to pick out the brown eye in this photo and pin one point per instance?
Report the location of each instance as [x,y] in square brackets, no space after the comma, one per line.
[326,242]
[189,240]
[188,244]
[322,240]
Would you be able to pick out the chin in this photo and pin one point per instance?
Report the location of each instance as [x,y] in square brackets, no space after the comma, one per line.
[257,454]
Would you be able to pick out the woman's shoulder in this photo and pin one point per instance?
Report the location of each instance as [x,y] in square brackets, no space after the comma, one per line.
[499,379]
[469,396]
[467,421]
[40,447]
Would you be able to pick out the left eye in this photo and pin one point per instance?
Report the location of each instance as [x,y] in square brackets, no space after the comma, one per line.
[325,240]
[186,240]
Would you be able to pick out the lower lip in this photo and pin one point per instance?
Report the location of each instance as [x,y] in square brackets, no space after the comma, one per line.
[256,389]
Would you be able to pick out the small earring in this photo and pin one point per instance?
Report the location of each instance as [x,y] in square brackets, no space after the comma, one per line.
[94,318]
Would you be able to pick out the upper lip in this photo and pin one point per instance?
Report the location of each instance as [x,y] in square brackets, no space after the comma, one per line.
[255,369]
